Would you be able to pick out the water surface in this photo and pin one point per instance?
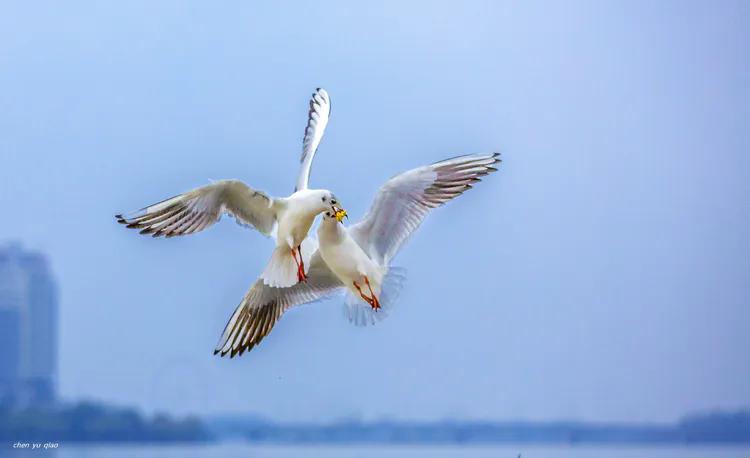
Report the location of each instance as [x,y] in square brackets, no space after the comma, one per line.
[394,451]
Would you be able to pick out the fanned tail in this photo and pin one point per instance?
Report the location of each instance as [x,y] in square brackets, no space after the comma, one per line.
[281,270]
[362,314]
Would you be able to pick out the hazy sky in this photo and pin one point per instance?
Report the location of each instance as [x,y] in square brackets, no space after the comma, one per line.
[603,273]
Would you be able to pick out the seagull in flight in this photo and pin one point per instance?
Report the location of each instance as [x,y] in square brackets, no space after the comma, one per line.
[287,219]
[357,259]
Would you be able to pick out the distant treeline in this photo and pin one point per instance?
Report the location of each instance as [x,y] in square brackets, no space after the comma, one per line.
[92,422]
[698,429]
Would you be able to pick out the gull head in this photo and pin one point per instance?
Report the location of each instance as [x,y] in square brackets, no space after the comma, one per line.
[330,205]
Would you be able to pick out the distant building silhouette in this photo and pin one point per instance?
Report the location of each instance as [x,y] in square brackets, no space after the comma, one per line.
[28,328]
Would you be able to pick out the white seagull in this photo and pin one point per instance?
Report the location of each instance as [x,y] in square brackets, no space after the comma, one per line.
[357,258]
[288,219]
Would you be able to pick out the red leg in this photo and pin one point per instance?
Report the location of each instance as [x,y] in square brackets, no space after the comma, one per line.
[301,275]
[373,301]
[362,295]
[376,302]
[300,269]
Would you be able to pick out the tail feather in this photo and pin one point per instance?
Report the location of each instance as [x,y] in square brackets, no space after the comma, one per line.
[281,270]
[360,313]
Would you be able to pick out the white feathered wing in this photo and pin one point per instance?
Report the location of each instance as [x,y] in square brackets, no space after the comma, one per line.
[399,207]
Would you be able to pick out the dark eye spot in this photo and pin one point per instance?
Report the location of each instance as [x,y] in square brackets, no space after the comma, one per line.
[333,201]
[328,214]
[324,199]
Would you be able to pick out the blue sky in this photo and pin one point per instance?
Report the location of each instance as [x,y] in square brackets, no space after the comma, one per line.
[601,274]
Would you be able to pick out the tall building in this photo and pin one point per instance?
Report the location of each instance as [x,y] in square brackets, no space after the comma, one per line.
[28,328]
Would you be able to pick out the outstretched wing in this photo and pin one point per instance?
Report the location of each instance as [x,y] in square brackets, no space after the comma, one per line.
[403,201]
[263,305]
[317,120]
[198,209]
